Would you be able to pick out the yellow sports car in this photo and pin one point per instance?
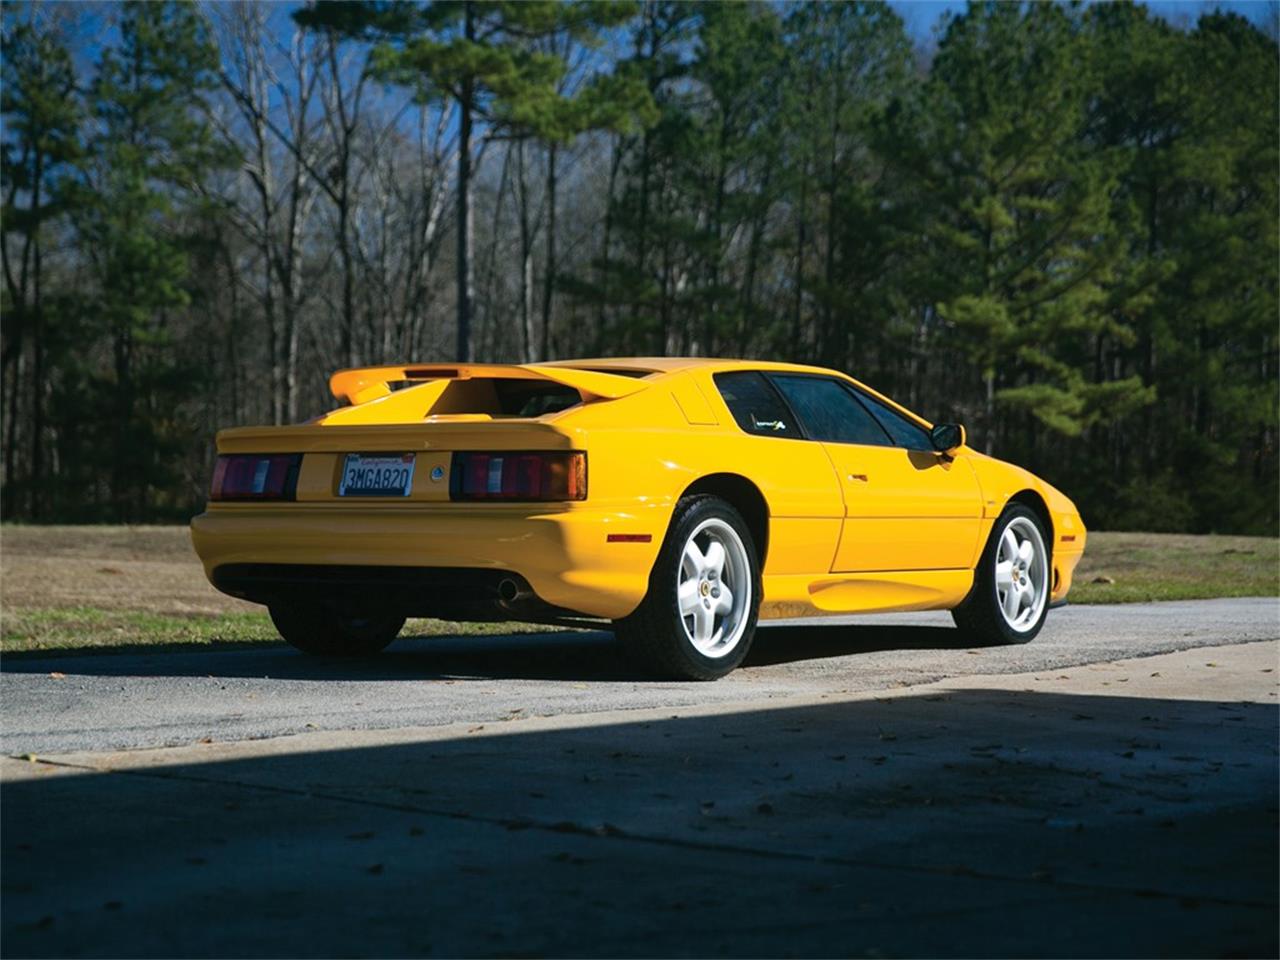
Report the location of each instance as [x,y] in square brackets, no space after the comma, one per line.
[679,499]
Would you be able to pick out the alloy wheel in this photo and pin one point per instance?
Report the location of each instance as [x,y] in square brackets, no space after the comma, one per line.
[1022,574]
[714,588]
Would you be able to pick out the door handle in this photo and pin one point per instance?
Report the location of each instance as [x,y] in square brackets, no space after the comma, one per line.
[858,476]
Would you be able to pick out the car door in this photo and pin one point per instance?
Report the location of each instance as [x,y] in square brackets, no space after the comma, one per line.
[906,506]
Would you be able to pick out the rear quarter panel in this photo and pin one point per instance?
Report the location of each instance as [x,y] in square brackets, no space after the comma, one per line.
[646,450]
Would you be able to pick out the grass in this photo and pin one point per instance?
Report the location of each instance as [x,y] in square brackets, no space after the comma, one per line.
[119,588]
[93,629]
[1139,567]
[107,589]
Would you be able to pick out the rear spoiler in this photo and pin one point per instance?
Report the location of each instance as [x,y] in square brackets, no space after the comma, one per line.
[362,384]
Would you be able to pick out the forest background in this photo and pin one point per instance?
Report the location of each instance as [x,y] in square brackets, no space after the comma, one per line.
[1055,223]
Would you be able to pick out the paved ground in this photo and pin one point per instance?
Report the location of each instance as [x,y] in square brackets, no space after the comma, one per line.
[106,702]
[866,791]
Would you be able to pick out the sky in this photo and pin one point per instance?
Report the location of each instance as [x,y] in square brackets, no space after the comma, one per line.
[922,16]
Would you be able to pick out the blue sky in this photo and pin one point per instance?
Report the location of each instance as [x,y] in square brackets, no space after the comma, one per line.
[922,16]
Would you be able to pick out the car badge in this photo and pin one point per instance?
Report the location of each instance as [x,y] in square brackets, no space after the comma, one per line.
[437,474]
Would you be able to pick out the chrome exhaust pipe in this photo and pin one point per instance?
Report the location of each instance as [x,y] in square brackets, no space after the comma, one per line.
[509,591]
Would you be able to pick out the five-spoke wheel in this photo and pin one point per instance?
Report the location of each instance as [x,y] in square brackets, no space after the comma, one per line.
[1022,574]
[714,589]
[1011,584]
[698,618]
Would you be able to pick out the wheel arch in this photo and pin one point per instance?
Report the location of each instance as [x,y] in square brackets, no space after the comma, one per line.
[745,497]
[1033,500]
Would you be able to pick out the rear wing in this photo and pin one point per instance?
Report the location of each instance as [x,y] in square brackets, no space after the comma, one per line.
[362,384]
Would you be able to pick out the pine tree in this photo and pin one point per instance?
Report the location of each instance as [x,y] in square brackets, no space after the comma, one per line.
[1021,250]
[150,154]
[43,117]
[848,61]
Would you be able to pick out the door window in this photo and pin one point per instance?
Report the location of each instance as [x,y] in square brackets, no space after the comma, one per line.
[904,432]
[829,411]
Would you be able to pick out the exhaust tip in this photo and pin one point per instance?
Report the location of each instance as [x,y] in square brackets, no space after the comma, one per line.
[510,591]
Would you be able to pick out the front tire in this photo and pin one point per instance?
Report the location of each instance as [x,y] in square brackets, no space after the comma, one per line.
[1010,595]
[315,629]
[699,617]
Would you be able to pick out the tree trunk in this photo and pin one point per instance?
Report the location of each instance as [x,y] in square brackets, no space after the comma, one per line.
[549,277]
[466,277]
[990,409]
[36,471]
[797,328]
[753,261]
[603,272]
[14,376]
[123,413]
[528,333]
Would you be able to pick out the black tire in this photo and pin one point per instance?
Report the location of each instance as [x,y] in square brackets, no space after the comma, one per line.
[316,629]
[980,615]
[656,632]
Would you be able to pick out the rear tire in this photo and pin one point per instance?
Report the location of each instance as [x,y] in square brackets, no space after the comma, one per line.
[1010,595]
[699,617]
[316,629]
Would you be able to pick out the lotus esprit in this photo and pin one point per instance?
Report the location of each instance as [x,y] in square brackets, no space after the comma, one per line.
[678,500]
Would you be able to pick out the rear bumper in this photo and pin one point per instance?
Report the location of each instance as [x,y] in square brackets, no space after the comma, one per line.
[562,555]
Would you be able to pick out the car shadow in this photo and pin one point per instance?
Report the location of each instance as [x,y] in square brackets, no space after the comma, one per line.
[577,655]
[791,643]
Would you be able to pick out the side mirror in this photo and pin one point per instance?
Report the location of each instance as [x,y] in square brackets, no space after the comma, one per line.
[947,437]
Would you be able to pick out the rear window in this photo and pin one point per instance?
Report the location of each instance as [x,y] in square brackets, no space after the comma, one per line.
[533,398]
[505,397]
[755,404]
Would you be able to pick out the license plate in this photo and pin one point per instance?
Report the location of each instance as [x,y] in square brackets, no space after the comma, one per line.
[379,475]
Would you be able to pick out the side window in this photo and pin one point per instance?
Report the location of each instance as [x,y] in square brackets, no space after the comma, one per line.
[904,432]
[829,411]
[756,405]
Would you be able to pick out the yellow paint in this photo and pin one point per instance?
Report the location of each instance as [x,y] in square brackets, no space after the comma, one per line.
[905,510]
[851,528]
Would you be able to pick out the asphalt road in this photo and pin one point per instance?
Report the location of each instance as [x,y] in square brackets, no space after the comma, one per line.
[865,789]
[108,702]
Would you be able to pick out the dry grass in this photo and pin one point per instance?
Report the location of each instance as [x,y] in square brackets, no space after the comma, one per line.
[1175,566]
[87,588]
[112,588]
[141,569]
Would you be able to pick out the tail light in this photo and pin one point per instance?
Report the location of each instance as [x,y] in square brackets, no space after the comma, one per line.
[519,476]
[255,476]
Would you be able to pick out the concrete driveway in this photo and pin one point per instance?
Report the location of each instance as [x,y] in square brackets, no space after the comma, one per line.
[867,790]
